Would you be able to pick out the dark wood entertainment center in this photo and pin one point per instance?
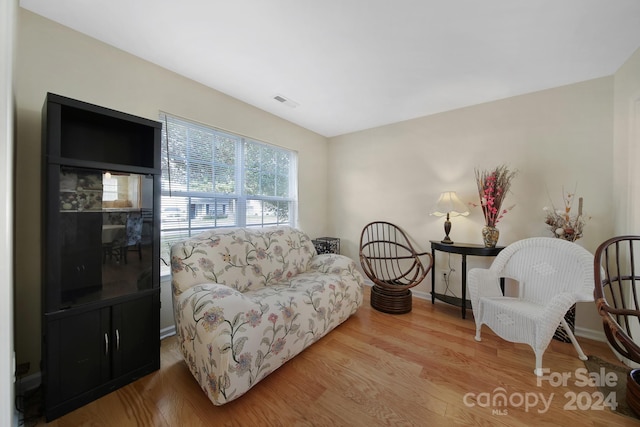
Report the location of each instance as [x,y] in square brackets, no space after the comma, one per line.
[101,201]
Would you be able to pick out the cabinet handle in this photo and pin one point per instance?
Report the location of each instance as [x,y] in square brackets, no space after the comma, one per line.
[117,339]
[106,343]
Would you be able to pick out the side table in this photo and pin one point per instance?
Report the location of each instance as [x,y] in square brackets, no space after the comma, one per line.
[462,249]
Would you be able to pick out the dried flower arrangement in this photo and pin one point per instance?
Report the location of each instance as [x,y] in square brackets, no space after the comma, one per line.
[493,186]
[562,223]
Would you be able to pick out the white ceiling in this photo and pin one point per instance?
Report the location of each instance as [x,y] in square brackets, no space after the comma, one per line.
[356,64]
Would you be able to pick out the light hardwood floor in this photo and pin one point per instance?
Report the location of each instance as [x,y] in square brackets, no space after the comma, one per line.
[375,369]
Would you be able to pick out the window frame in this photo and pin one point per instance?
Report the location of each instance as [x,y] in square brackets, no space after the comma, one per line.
[188,200]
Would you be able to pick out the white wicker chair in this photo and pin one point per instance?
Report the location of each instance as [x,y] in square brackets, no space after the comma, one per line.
[551,274]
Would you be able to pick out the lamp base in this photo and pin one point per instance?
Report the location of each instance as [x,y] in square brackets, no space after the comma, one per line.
[447,229]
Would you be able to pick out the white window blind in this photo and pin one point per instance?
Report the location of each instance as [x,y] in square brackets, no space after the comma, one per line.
[109,188]
[212,178]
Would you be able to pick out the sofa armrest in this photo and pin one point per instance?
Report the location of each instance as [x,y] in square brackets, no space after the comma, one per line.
[206,308]
[336,264]
[214,322]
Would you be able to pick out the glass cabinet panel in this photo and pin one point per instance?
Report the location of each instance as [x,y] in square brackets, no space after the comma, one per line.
[106,234]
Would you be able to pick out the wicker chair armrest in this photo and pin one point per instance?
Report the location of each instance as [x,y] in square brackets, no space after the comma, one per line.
[604,308]
[483,282]
[417,275]
[616,334]
[555,309]
[429,256]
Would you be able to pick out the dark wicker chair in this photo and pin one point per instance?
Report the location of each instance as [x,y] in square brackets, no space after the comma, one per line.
[389,260]
[617,285]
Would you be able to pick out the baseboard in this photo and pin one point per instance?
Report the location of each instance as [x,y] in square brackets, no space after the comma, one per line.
[167,332]
[421,294]
[596,335]
[28,383]
[31,382]
[590,334]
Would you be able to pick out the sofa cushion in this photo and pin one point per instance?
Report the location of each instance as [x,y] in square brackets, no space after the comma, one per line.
[242,258]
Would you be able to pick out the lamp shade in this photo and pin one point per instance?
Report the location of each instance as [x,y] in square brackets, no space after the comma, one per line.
[449,203]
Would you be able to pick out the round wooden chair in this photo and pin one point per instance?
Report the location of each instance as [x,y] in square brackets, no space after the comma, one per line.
[389,260]
[617,285]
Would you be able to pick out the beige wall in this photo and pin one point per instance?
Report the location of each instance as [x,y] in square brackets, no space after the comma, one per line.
[626,174]
[558,137]
[554,138]
[53,58]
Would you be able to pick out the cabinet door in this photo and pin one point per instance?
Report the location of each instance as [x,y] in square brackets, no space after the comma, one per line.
[78,355]
[81,253]
[136,333]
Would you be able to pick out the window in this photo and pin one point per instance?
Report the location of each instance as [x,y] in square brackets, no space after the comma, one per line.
[109,188]
[212,178]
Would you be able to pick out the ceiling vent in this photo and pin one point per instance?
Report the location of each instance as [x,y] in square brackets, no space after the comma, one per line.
[286,101]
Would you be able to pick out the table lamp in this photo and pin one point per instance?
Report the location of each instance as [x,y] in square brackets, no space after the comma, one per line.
[450,205]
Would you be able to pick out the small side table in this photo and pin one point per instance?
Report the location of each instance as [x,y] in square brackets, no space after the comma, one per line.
[327,245]
[462,249]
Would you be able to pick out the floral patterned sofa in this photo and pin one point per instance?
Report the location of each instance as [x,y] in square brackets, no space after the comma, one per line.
[247,300]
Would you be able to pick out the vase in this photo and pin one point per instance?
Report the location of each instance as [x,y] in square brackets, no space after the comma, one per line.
[490,236]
